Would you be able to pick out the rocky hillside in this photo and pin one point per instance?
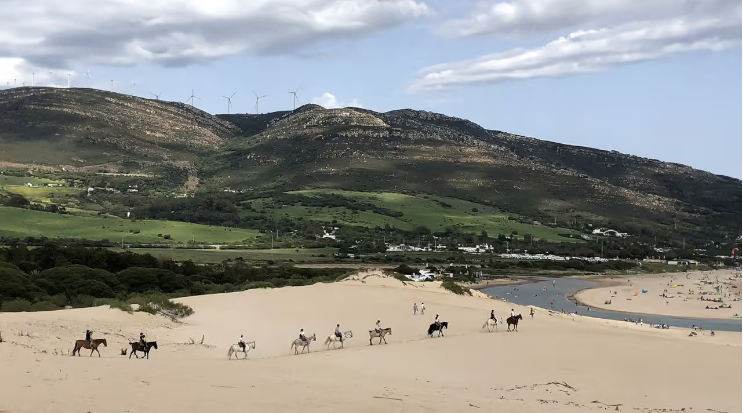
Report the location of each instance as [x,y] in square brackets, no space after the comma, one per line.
[84,128]
[358,149]
[417,151]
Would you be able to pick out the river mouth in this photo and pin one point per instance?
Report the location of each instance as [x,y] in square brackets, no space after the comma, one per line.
[542,294]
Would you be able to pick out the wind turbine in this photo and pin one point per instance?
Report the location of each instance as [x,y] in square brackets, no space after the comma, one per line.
[54,80]
[229,102]
[88,75]
[157,95]
[134,86]
[257,98]
[33,78]
[112,85]
[295,98]
[68,80]
[192,97]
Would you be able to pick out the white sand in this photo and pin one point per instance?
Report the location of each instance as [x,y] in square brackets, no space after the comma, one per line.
[605,363]
[682,299]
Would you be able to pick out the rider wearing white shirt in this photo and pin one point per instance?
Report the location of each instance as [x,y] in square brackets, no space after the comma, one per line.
[512,314]
[437,322]
[378,328]
[301,335]
[241,342]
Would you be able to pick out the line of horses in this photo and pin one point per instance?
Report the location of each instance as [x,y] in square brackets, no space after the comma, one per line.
[491,324]
[94,344]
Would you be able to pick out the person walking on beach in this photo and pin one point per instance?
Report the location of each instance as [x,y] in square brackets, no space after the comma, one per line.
[415,308]
[423,309]
[531,313]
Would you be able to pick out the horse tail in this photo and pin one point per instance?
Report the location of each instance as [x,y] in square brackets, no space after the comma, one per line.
[229,352]
[484,325]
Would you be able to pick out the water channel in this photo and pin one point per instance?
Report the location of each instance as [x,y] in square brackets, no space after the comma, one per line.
[533,294]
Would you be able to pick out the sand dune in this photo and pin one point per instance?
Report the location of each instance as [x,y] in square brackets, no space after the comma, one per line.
[682,294]
[552,364]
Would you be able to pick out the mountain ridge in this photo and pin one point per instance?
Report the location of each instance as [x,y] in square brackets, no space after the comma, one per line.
[356,149]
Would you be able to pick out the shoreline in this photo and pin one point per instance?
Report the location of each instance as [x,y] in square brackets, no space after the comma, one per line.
[651,305]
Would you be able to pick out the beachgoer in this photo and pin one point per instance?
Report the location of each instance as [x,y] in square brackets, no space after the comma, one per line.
[512,313]
[531,313]
[415,308]
[423,308]
[88,336]
[142,341]
[338,332]
[378,327]
[437,322]
[241,342]
[301,335]
[492,314]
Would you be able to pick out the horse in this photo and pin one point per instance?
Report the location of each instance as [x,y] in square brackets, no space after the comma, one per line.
[334,339]
[384,332]
[137,346]
[305,344]
[236,348]
[92,346]
[514,321]
[433,327]
[492,324]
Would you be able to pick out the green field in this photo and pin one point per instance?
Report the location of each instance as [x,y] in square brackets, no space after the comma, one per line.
[418,211]
[47,195]
[215,256]
[21,223]
[23,180]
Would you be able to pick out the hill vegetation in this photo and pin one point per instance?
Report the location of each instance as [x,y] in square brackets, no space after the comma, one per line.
[398,174]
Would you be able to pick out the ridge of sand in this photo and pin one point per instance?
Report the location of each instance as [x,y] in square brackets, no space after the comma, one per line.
[682,291]
[554,363]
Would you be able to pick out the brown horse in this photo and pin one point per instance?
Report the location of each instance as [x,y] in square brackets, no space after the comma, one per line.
[514,321]
[374,334]
[92,346]
[137,346]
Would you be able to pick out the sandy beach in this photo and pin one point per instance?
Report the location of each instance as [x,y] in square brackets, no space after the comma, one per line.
[553,363]
[679,294]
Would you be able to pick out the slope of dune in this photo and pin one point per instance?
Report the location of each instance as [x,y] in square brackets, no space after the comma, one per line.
[552,364]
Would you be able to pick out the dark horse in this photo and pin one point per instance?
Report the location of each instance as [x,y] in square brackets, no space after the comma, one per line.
[514,321]
[93,346]
[433,327]
[146,350]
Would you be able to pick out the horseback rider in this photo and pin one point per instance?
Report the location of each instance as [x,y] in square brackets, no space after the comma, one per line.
[437,322]
[88,336]
[241,342]
[492,315]
[512,314]
[378,328]
[142,341]
[338,332]
[301,335]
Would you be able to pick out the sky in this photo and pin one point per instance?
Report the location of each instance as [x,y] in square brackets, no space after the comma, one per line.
[659,79]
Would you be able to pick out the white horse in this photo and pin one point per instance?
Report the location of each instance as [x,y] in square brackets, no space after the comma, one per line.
[236,348]
[297,343]
[492,324]
[334,339]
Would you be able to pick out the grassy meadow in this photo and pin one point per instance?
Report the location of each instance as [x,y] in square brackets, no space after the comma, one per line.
[209,256]
[21,223]
[435,213]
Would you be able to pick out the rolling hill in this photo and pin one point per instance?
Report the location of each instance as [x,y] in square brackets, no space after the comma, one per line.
[354,151]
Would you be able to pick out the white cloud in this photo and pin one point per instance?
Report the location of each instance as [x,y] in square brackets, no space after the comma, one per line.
[714,25]
[329,101]
[47,34]
[522,17]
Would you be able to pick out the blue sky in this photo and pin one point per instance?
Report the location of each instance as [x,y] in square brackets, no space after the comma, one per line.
[657,79]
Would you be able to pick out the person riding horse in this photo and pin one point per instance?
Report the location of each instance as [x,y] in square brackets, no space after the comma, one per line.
[88,336]
[301,335]
[492,315]
[378,327]
[338,332]
[437,322]
[142,342]
[241,342]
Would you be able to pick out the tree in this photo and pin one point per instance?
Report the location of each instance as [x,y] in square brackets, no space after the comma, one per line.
[138,279]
